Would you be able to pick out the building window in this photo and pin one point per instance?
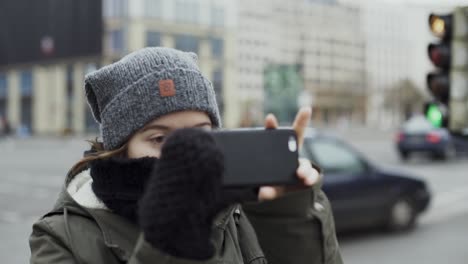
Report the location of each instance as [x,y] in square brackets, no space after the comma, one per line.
[26,83]
[187,43]
[3,86]
[70,96]
[117,41]
[186,11]
[115,8]
[218,80]
[153,8]
[217,47]
[26,91]
[3,95]
[153,39]
[69,81]
[217,17]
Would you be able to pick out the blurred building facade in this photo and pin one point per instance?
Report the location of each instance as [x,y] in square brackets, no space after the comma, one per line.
[396,35]
[350,53]
[390,59]
[43,61]
[48,98]
[388,51]
[322,36]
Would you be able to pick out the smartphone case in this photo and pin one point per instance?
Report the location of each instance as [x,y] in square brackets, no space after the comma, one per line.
[257,157]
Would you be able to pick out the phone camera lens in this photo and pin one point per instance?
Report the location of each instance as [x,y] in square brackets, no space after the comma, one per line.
[292,144]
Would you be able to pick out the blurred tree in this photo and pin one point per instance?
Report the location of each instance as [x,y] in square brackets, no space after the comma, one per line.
[405,98]
[282,86]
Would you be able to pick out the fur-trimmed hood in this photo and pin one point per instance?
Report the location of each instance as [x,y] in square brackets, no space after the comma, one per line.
[81,191]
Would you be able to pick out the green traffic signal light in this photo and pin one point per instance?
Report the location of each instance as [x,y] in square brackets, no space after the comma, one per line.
[434,115]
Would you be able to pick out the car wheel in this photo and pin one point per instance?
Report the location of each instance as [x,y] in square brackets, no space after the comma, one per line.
[449,152]
[402,215]
[404,155]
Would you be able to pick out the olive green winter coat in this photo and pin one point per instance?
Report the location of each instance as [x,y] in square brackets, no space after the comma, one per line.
[296,228]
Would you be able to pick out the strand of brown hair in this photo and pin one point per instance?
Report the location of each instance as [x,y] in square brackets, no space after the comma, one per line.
[98,153]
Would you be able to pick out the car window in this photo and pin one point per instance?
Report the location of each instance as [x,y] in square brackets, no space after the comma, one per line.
[335,157]
[417,124]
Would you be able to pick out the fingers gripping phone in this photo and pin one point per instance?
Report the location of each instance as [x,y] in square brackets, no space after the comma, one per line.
[257,157]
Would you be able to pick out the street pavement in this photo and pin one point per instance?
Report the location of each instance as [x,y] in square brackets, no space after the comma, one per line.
[33,170]
[31,174]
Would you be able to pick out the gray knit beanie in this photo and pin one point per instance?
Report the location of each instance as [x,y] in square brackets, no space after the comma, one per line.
[145,85]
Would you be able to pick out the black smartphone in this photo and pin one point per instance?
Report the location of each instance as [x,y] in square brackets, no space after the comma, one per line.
[257,157]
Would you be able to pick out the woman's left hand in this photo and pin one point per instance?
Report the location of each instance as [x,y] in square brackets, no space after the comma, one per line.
[305,172]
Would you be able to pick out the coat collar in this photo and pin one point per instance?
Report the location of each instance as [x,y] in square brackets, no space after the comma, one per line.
[119,234]
[79,188]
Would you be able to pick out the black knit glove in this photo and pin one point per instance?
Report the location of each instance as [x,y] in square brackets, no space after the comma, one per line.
[184,195]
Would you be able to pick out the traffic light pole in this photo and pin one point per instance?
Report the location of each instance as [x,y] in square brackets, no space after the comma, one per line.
[458,103]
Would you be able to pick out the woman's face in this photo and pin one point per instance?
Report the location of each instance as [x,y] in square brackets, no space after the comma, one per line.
[148,141]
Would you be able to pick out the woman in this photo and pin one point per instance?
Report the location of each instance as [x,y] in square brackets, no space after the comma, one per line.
[151,192]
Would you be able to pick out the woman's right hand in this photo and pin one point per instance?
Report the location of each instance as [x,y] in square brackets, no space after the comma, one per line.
[307,175]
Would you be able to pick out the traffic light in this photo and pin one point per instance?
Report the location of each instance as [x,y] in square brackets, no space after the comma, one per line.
[438,82]
[448,84]
[436,114]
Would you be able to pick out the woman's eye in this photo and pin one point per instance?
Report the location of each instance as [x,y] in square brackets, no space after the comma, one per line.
[157,140]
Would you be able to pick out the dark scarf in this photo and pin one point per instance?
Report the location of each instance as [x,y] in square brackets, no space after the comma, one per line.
[120,183]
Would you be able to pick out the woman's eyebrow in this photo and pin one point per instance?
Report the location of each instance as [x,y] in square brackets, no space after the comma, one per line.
[154,127]
[203,124]
[166,128]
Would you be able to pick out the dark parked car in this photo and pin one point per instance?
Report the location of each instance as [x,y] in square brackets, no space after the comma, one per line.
[361,193]
[419,135]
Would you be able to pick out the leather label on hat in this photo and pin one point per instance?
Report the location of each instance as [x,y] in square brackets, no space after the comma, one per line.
[167,88]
